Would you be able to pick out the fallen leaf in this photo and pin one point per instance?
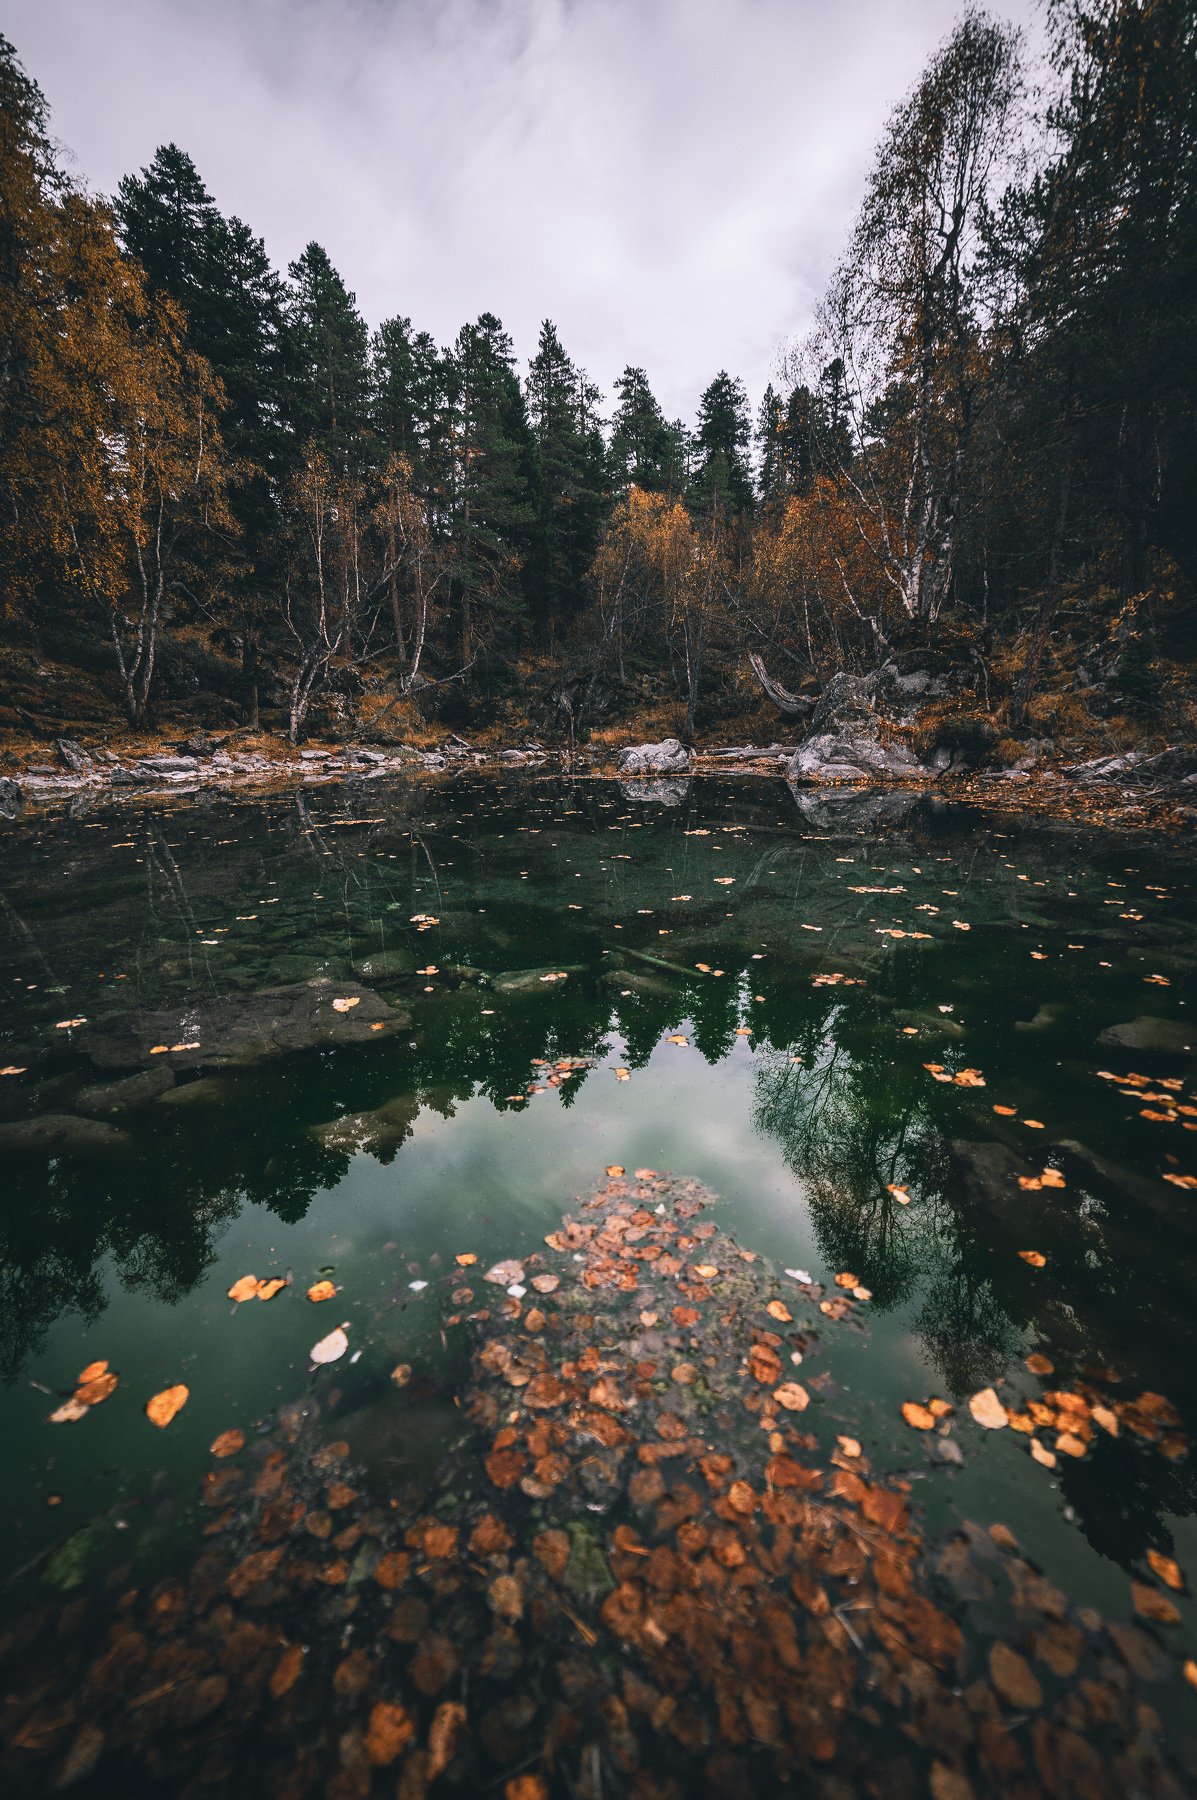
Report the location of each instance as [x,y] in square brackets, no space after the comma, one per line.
[246,1288]
[917,1416]
[708,1271]
[321,1290]
[275,1285]
[1007,1112]
[347,1004]
[466,1259]
[1036,1258]
[777,1309]
[162,1408]
[401,1374]
[330,1348]
[792,1395]
[1042,1455]
[228,1443]
[1014,1678]
[1151,1604]
[615,1168]
[1040,1365]
[1167,1570]
[988,1410]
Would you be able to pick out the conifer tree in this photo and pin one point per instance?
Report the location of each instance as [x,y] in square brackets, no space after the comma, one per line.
[721,481]
[570,484]
[327,345]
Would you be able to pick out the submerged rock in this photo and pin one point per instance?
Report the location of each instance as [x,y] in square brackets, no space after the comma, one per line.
[127,1094]
[1166,1036]
[248,1028]
[62,1131]
[669,757]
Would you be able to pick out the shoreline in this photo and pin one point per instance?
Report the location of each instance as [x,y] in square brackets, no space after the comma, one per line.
[106,773]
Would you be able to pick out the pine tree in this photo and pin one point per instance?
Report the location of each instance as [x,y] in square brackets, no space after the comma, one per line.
[643,451]
[721,481]
[772,484]
[490,510]
[570,479]
[327,342]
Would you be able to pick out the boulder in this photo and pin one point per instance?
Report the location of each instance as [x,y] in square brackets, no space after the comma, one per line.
[130,1092]
[74,756]
[666,758]
[12,800]
[845,741]
[854,752]
[62,1131]
[246,1028]
[1167,1037]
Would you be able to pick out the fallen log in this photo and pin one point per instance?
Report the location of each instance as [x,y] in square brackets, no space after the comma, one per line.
[795,706]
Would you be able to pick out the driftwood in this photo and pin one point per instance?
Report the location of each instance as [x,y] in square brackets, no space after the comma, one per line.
[795,706]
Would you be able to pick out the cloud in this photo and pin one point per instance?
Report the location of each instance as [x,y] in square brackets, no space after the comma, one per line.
[669,180]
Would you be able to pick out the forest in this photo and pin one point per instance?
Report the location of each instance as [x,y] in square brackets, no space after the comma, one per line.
[227,502]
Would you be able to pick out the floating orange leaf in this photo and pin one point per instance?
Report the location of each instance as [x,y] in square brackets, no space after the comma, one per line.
[1035,1258]
[163,1407]
[228,1443]
[321,1290]
[917,1416]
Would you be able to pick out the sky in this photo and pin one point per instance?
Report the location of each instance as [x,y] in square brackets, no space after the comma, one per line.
[670,181]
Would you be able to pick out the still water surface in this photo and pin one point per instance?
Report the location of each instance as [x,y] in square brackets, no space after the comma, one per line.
[815,957]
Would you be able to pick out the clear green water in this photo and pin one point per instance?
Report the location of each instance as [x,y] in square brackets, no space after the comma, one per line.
[125,1251]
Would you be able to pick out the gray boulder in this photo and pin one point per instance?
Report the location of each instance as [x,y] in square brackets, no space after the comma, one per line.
[12,800]
[74,756]
[666,758]
[853,753]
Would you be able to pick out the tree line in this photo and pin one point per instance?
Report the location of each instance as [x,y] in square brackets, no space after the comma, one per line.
[986,446]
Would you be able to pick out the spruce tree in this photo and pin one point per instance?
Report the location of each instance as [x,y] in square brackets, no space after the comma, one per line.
[721,481]
[570,479]
[643,451]
[328,379]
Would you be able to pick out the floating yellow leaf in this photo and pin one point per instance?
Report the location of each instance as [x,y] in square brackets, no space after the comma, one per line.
[163,1407]
[615,1168]
[269,1288]
[792,1395]
[988,1410]
[777,1309]
[245,1288]
[466,1258]
[321,1290]
[917,1416]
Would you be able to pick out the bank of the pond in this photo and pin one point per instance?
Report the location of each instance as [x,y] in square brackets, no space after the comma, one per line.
[1135,788]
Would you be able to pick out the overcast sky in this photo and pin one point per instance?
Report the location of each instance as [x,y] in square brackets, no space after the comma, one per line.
[669,180]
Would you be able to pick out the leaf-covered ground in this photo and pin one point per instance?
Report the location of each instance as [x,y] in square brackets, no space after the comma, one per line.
[657,1565]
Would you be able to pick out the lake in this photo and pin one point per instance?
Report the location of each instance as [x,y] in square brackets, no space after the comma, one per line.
[946,1054]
